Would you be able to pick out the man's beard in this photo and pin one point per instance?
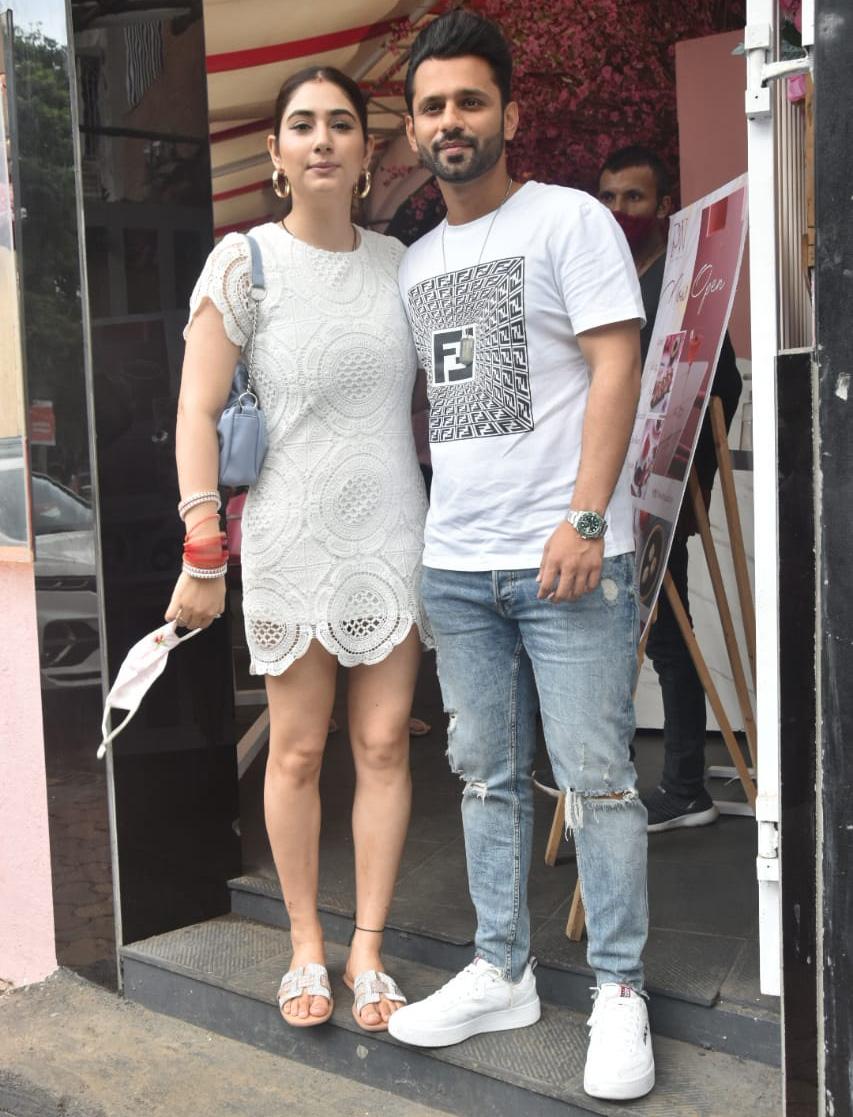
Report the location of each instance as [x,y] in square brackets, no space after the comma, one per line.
[483,156]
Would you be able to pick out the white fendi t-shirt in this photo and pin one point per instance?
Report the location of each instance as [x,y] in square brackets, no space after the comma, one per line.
[507,382]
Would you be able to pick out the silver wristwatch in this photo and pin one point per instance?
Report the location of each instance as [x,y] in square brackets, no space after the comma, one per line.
[588,525]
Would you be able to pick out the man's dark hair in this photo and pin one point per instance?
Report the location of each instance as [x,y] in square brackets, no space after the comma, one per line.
[455,35]
[638,156]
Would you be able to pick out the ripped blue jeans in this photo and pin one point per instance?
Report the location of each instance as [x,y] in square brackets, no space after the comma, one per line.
[498,648]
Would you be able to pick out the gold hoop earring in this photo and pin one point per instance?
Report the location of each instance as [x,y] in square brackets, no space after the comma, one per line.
[365,190]
[279,190]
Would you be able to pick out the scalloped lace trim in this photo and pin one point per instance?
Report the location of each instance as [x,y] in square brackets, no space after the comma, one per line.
[345,658]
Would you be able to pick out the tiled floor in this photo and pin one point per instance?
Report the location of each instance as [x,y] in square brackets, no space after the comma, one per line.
[702,893]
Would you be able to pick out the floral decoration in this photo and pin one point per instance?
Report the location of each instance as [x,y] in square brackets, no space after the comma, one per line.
[593,75]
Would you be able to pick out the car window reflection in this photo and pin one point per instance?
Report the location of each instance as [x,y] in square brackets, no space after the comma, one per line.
[56,508]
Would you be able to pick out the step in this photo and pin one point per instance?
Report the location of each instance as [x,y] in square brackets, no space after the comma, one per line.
[735,1024]
[223,975]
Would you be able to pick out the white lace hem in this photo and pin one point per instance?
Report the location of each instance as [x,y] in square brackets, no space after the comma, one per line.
[308,632]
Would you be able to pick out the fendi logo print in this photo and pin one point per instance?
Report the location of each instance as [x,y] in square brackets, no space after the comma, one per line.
[471,339]
[453,353]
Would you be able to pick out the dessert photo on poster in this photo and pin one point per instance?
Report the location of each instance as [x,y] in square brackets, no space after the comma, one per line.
[662,386]
[644,463]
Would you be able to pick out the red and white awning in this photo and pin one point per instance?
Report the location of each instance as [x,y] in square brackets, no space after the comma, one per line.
[251,47]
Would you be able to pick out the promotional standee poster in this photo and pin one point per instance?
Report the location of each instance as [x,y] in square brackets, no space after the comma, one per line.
[703,259]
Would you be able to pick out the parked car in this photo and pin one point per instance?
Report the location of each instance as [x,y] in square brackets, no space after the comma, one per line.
[66,586]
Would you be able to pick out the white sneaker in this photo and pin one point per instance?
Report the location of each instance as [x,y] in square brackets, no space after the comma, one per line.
[619,1063]
[479,999]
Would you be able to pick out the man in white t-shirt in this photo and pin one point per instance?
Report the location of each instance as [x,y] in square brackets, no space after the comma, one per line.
[525,308]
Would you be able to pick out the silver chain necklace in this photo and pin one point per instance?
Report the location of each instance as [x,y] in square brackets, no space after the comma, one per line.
[488,231]
[466,344]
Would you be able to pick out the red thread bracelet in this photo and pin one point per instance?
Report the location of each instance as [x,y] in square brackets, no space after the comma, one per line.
[204,520]
[206,554]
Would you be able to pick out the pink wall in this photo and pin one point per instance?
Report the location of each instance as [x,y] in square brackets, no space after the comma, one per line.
[27,949]
[710,83]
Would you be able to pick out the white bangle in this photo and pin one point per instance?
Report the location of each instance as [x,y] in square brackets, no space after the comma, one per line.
[197,572]
[209,496]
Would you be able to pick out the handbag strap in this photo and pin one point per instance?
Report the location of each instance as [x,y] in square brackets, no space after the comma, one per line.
[257,292]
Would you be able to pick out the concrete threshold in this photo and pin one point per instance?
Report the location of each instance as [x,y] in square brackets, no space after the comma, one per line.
[72,1049]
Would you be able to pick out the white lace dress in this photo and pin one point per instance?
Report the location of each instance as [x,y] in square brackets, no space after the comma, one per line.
[333,529]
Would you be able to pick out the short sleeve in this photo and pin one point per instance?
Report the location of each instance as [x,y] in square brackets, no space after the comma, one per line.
[225,280]
[596,271]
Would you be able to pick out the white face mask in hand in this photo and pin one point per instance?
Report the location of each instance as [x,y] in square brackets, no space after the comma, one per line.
[143,664]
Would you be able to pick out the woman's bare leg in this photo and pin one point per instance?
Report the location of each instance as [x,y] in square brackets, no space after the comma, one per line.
[380,700]
[300,703]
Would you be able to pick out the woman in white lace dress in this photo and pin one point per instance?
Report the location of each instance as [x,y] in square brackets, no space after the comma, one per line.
[332,531]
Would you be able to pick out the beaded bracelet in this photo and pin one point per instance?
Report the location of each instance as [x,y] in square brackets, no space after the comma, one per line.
[197,572]
[209,496]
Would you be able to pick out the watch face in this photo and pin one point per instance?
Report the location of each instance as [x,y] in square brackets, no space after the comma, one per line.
[590,525]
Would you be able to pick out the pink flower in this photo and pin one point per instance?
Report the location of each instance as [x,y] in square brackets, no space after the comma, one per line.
[792,11]
[796,90]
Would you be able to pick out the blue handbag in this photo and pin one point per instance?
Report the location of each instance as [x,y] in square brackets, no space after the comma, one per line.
[242,425]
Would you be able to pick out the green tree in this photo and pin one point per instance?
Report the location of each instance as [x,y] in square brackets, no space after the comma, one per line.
[48,242]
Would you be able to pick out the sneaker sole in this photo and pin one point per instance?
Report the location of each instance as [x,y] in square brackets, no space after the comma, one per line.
[520,1016]
[700,818]
[623,1090]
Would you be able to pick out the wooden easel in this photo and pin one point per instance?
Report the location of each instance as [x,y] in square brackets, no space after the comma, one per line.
[576,921]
